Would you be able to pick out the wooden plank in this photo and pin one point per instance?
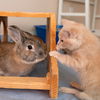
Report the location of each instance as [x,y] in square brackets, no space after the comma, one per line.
[53,62]
[54,77]
[24,83]
[5,31]
[48,34]
[24,14]
[4,21]
[52,32]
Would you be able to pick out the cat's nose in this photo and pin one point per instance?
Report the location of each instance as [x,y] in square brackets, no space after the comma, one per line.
[40,53]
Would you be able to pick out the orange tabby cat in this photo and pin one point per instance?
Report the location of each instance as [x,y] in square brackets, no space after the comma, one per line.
[81,51]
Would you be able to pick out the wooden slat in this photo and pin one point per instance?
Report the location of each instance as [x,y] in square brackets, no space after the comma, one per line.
[54,78]
[52,32]
[53,62]
[4,21]
[5,31]
[24,83]
[24,14]
[48,34]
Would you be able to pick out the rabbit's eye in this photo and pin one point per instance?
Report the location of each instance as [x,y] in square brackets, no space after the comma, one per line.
[30,47]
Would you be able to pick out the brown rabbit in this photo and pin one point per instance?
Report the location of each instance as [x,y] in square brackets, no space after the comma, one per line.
[18,58]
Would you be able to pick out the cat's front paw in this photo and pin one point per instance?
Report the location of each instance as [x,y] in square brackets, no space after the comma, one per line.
[53,53]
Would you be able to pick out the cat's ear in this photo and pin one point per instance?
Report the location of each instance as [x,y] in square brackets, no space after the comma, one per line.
[67,22]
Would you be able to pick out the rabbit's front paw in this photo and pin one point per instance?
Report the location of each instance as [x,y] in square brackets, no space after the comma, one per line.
[53,53]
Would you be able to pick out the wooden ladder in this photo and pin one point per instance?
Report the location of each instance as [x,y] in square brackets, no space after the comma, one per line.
[85,14]
[95,16]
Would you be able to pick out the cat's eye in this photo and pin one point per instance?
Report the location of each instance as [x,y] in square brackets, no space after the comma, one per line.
[62,40]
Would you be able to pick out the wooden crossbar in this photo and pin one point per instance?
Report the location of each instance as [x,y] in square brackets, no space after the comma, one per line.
[24,83]
[24,14]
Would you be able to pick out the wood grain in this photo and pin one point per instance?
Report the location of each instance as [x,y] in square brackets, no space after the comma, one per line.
[24,14]
[24,83]
[52,61]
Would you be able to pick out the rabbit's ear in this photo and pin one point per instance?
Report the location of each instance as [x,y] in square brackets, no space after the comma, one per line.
[14,32]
